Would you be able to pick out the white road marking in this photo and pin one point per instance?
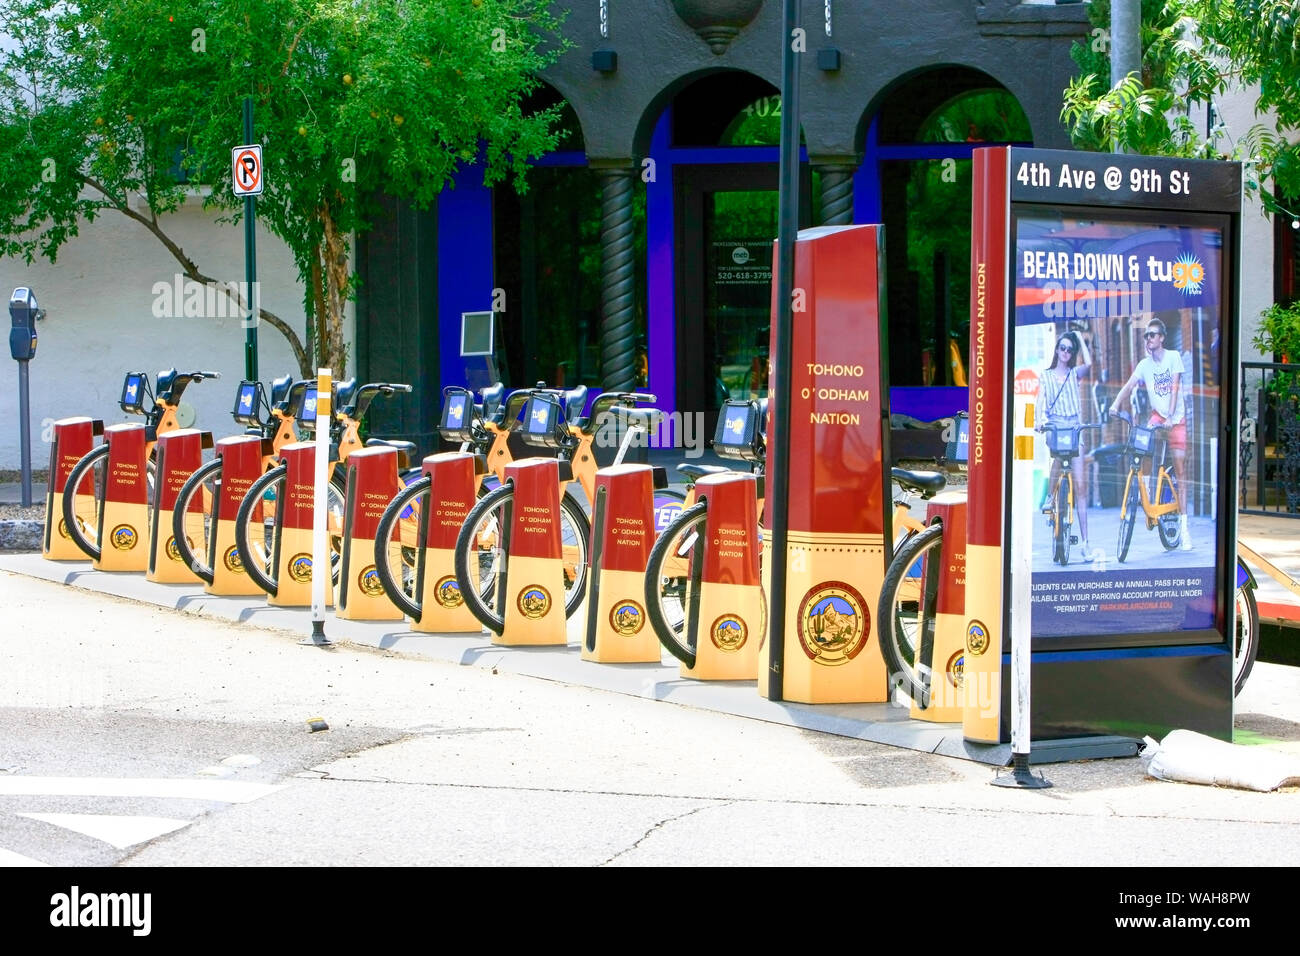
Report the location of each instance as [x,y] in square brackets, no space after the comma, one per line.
[115,830]
[10,858]
[219,791]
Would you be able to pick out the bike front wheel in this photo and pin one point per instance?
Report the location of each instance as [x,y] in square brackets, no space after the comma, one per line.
[484,545]
[255,527]
[672,581]
[194,518]
[907,613]
[399,545]
[83,496]
[1126,520]
[1062,537]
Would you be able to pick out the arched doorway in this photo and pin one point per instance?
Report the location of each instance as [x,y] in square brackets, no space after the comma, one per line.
[916,179]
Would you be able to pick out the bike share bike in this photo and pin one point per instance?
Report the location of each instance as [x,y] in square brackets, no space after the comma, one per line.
[87,483]
[1063,446]
[674,571]
[1151,489]
[256,522]
[484,429]
[275,422]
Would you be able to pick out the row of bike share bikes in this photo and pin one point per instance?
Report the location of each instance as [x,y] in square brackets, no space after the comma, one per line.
[454,543]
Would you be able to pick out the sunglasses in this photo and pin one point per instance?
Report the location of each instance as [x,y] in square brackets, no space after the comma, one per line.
[1064,347]
[1151,335]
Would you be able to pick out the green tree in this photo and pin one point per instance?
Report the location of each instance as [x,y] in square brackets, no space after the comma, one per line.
[1192,52]
[143,98]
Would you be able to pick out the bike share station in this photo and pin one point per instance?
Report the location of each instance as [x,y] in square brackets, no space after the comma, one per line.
[1093,244]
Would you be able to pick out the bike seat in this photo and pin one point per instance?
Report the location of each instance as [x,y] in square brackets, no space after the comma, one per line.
[345,396]
[163,384]
[928,483]
[696,472]
[280,389]
[492,399]
[574,399]
[405,449]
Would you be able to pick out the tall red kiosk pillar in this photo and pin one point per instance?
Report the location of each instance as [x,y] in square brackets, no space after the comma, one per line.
[839,407]
[73,438]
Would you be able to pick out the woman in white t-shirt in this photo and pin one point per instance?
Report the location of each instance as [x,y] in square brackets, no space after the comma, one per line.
[1161,373]
[1058,405]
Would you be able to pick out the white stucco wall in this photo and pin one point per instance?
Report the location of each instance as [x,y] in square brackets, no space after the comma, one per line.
[99,297]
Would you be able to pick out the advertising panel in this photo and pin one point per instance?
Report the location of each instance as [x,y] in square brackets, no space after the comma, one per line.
[1118,320]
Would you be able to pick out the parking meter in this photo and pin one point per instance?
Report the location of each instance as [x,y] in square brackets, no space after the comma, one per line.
[23,316]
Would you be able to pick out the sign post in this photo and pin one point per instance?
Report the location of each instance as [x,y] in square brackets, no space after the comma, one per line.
[248,179]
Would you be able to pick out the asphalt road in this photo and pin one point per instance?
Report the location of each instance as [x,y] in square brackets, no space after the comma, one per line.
[426,763]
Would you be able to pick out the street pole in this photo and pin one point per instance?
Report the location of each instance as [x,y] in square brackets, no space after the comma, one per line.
[250,262]
[1125,41]
[25,435]
[786,233]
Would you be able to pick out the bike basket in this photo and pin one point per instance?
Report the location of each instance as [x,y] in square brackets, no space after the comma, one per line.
[456,424]
[544,422]
[1142,439]
[1063,441]
[737,434]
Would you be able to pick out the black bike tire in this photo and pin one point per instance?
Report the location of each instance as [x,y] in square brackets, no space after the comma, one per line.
[383,532]
[256,573]
[1063,520]
[476,599]
[1169,525]
[894,644]
[672,637]
[1131,504]
[70,520]
[1243,658]
[194,559]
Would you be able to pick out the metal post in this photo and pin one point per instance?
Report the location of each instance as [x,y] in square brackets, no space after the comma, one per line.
[787,232]
[321,570]
[250,261]
[1022,530]
[25,434]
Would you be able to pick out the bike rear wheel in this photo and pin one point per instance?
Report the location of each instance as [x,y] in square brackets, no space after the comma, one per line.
[193,518]
[1168,525]
[907,613]
[483,546]
[672,581]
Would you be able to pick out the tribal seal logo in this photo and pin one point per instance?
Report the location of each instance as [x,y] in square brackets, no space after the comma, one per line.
[123,537]
[977,638]
[534,601]
[729,633]
[368,581]
[447,592]
[956,669]
[174,552]
[627,617]
[300,567]
[232,560]
[833,623]
[63,529]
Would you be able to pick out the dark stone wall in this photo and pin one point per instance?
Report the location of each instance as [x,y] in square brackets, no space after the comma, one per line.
[1024,47]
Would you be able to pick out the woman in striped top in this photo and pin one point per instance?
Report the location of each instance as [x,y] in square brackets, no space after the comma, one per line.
[1058,404]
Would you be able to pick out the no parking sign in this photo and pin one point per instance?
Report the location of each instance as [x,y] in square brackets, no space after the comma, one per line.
[246,170]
